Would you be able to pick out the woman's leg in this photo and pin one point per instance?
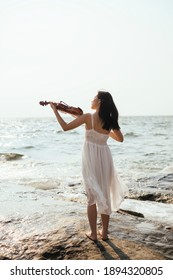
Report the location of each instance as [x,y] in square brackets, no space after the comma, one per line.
[105,224]
[92,217]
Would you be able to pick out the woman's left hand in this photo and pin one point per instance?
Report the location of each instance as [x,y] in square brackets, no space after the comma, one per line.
[53,106]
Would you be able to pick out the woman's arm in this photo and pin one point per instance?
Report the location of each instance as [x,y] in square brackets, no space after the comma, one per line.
[73,124]
[116,135]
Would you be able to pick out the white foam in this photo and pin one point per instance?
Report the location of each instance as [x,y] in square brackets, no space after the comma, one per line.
[167,169]
[154,211]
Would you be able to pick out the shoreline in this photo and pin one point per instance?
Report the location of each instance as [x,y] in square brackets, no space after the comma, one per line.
[131,237]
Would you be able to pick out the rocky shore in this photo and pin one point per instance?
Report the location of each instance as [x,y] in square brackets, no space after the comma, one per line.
[59,235]
[158,188]
[131,237]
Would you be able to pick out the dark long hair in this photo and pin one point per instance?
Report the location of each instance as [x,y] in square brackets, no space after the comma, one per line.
[108,112]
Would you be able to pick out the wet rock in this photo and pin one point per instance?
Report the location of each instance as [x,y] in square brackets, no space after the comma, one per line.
[74,184]
[150,196]
[131,213]
[130,237]
[157,197]
[167,178]
[10,156]
[169,228]
[157,188]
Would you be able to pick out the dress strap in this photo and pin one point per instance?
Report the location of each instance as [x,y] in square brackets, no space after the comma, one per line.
[92,121]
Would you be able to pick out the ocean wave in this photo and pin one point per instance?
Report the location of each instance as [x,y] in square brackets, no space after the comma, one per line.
[59,131]
[10,156]
[131,134]
[167,169]
[159,134]
[149,154]
[29,147]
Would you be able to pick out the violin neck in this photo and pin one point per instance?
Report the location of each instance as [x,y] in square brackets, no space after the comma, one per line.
[45,103]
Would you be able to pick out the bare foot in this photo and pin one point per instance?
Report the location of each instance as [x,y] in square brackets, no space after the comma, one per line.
[91,237]
[103,237]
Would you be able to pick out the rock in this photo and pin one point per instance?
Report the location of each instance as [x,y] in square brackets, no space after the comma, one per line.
[167,178]
[74,184]
[169,228]
[149,196]
[130,237]
[158,197]
[10,156]
[131,213]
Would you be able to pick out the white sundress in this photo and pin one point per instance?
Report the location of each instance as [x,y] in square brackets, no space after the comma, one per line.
[101,181]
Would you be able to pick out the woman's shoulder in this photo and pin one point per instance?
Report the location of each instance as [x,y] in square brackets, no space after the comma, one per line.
[87,116]
[87,119]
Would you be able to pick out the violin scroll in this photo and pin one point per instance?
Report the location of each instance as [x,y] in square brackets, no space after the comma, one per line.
[65,108]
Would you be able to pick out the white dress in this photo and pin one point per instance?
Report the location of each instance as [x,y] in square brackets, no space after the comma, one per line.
[101,181]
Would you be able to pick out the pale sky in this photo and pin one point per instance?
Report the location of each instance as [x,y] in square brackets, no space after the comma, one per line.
[69,49]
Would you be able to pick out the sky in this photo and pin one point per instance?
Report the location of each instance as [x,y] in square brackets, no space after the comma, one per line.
[69,49]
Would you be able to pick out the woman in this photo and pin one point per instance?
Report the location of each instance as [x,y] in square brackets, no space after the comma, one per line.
[104,190]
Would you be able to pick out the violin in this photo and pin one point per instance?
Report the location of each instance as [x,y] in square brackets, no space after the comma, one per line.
[65,108]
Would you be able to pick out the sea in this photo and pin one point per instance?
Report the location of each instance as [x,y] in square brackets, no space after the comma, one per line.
[40,165]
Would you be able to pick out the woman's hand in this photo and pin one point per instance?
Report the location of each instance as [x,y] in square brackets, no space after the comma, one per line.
[116,135]
[53,107]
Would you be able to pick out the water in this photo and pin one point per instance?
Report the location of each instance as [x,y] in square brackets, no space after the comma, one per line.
[39,163]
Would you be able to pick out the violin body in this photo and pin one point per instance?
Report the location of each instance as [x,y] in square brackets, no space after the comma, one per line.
[76,111]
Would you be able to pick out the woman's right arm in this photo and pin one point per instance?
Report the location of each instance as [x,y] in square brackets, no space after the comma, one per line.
[71,125]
